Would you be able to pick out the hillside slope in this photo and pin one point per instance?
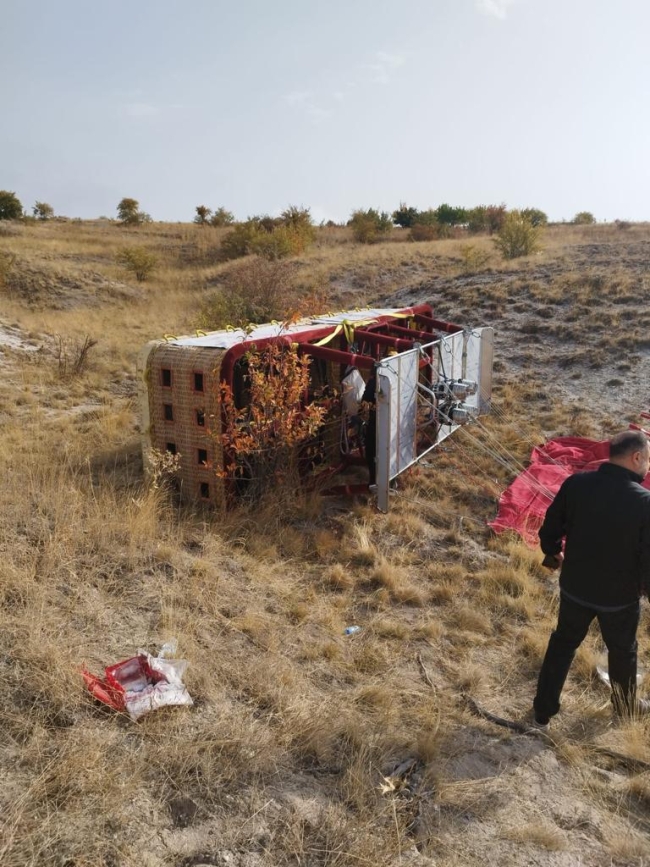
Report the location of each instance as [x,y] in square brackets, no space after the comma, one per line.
[284,757]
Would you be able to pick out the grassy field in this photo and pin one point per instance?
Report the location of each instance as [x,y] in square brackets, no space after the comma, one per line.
[289,753]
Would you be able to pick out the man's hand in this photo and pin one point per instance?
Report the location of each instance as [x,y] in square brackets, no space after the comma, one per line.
[553,561]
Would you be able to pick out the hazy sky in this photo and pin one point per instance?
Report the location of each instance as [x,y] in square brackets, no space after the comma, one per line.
[334,105]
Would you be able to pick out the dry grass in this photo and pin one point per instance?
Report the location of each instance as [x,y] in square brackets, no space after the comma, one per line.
[540,833]
[294,723]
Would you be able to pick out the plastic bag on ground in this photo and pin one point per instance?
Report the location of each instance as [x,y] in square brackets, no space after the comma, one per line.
[142,683]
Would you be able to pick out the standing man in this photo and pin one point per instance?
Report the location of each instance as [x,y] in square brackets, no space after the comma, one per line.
[605,518]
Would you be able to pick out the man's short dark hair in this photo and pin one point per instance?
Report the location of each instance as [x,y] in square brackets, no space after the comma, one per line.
[627,442]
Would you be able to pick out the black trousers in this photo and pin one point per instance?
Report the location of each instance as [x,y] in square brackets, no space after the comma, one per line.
[618,629]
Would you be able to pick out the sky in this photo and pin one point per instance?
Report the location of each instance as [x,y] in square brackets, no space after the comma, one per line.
[338,105]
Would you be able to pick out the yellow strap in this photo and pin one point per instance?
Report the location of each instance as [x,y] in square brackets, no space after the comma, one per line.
[168,337]
[331,336]
[348,329]
[200,333]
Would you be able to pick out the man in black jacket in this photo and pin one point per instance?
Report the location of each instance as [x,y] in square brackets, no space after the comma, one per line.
[605,518]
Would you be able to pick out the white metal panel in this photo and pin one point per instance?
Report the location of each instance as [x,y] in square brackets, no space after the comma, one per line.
[397,405]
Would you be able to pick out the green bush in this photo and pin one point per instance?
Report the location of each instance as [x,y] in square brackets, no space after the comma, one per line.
[237,243]
[278,244]
[486,218]
[369,226]
[271,237]
[138,261]
[446,215]
[129,214]
[222,217]
[43,211]
[203,215]
[536,217]
[405,216]
[517,237]
[10,206]
[300,228]
[477,220]
[584,218]
[427,218]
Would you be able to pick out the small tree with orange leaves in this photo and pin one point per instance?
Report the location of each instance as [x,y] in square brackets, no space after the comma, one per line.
[262,442]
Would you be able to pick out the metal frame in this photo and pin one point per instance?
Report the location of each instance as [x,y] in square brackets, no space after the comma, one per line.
[457,386]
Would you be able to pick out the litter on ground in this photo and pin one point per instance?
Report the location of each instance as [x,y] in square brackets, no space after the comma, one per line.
[141,683]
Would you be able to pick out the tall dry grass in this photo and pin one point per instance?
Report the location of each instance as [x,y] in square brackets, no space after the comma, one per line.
[295,725]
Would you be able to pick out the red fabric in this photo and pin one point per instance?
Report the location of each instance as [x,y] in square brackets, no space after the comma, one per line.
[103,691]
[523,505]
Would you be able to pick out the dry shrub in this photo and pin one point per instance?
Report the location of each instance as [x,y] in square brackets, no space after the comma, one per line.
[467,618]
[7,261]
[253,291]
[506,580]
[338,578]
[391,628]
[138,261]
[638,788]
[258,291]
[360,548]
[627,846]
[261,441]
[442,593]
[72,355]
[473,258]
[422,232]
[540,833]
[371,656]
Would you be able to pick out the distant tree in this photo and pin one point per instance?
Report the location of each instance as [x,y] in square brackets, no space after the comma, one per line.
[368,226]
[477,220]
[427,218]
[405,216]
[222,217]
[43,211]
[202,215]
[490,218]
[449,216]
[129,213]
[536,217]
[10,206]
[517,236]
[139,261]
[584,218]
[495,216]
